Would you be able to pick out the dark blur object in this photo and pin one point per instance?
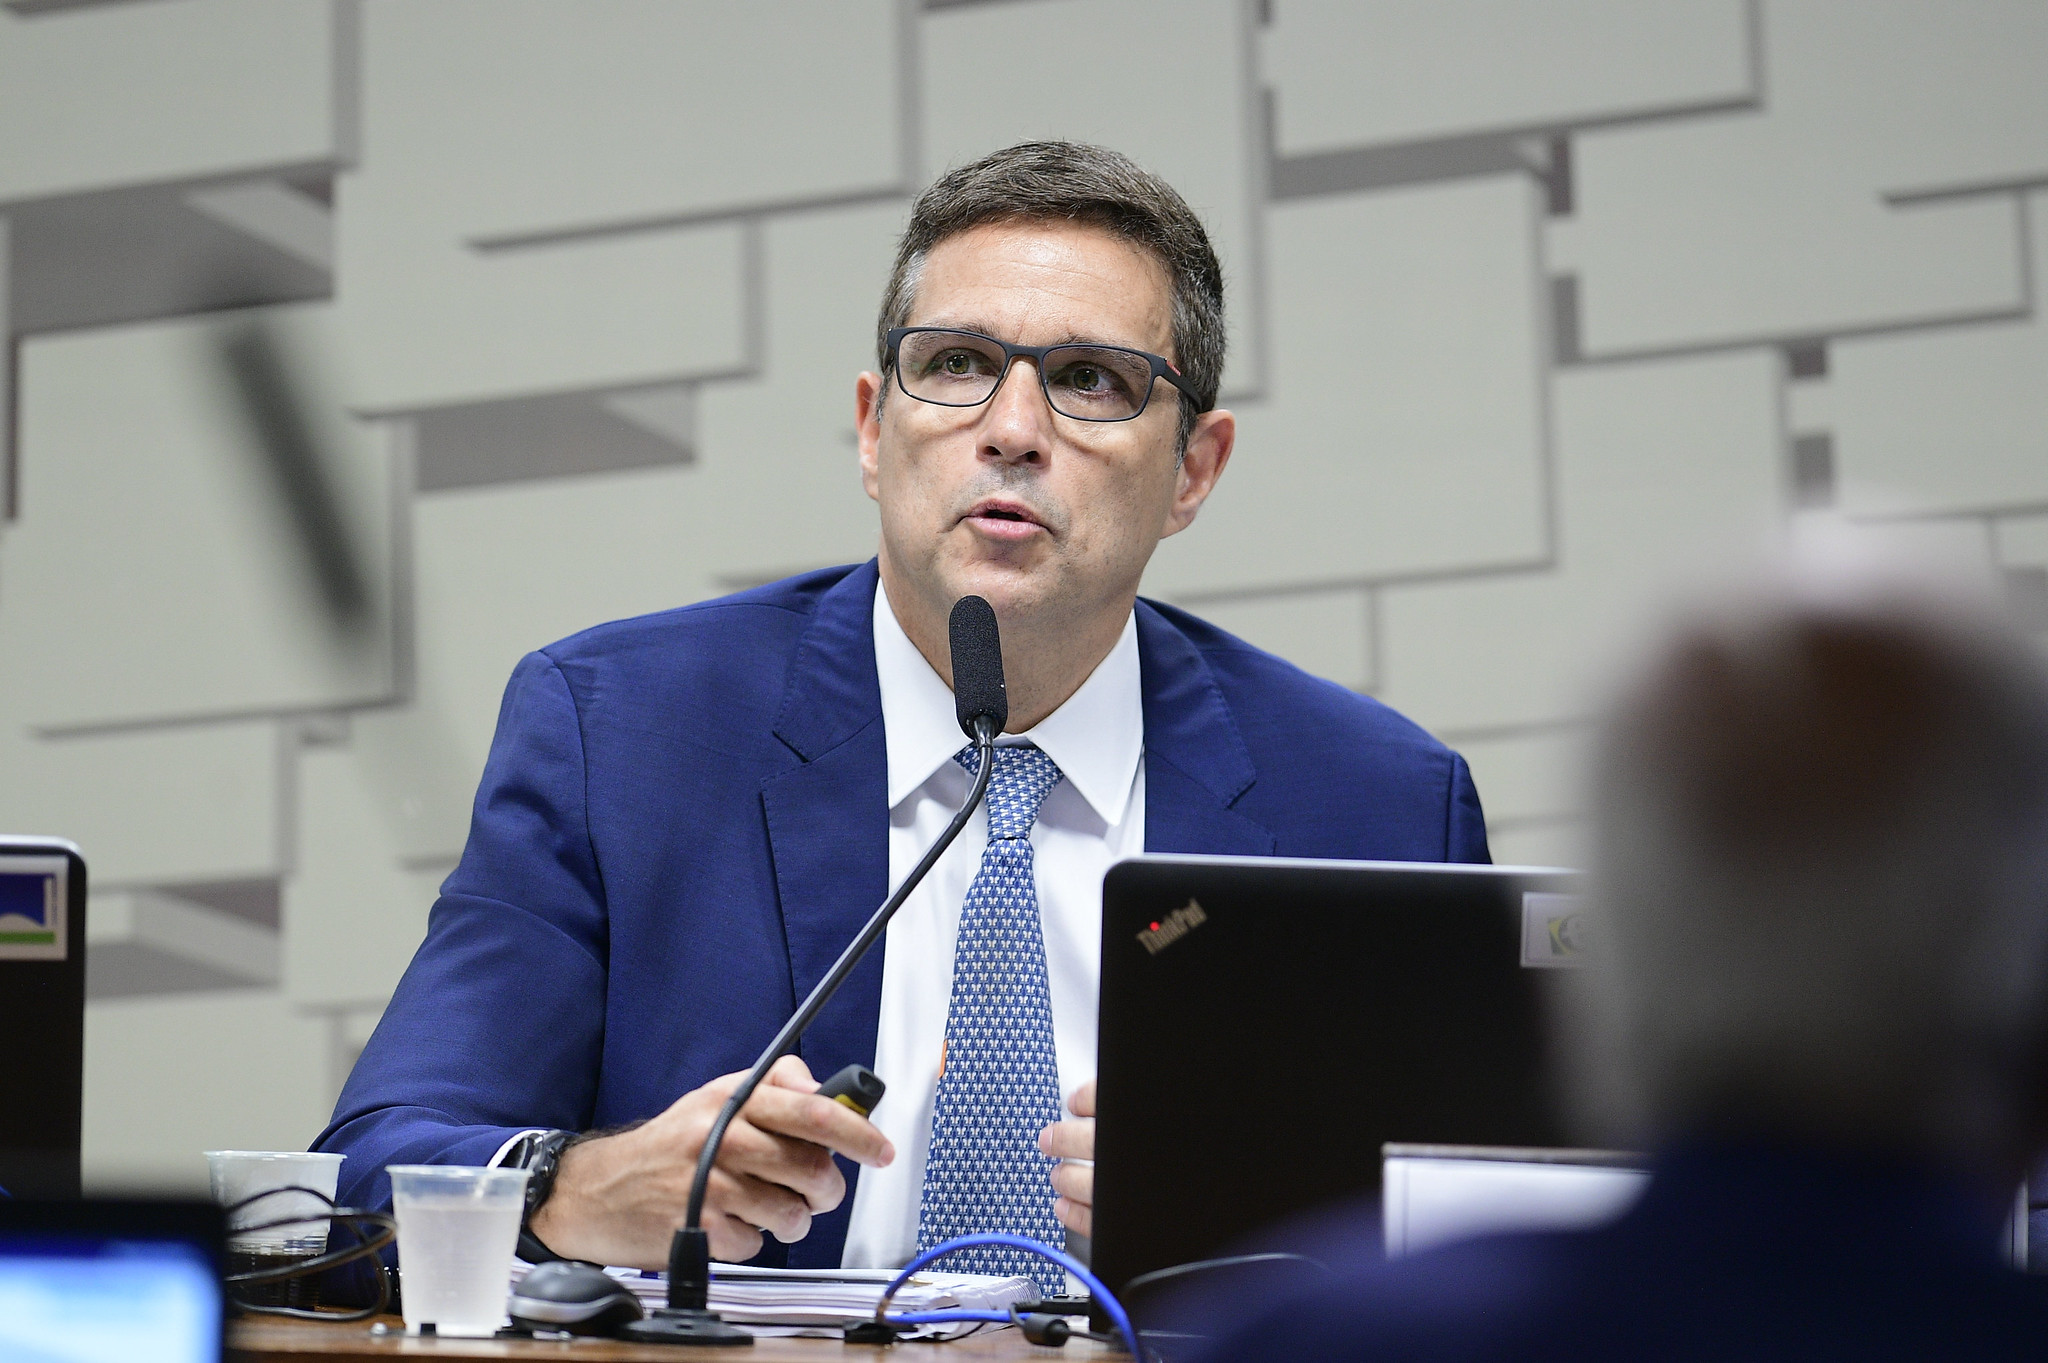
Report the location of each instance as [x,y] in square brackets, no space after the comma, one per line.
[1820,952]
[277,408]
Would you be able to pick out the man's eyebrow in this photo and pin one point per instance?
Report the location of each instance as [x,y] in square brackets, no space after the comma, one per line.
[984,329]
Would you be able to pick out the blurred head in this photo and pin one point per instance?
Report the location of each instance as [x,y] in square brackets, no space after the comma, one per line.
[1821,829]
[1049,516]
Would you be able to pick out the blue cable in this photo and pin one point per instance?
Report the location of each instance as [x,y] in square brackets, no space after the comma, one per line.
[1110,1305]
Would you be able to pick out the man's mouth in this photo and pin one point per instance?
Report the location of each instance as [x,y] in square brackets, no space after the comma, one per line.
[1003,519]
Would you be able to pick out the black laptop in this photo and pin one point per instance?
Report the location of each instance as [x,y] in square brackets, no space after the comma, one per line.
[42,1015]
[1234,988]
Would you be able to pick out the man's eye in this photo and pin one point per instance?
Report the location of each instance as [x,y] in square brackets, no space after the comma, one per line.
[1089,380]
[955,363]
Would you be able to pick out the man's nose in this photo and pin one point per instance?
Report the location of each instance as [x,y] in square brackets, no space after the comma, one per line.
[1016,424]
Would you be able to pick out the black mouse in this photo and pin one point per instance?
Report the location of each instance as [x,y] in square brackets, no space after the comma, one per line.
[579,1298]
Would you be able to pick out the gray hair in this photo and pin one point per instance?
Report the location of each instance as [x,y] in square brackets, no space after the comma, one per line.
[1821,870]
[1076,182]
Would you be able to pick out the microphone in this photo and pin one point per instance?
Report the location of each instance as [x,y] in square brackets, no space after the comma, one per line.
[982,704]
[979,696]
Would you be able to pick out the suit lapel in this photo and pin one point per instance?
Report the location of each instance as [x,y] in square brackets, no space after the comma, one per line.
[1196,764]
[828,832]
[828,818]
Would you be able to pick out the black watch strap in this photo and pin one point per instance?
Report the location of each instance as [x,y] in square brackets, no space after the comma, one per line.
[541,1157]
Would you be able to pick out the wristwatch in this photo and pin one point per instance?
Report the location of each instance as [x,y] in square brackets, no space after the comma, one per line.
[541,1156]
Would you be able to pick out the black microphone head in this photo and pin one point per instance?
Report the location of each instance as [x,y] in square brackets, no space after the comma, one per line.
[978,692]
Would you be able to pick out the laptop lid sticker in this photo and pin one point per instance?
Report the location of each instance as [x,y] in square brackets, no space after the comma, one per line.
[33,900]
[1553,930]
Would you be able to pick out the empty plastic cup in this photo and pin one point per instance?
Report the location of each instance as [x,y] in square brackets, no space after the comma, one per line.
[241,1174]
[457,1228]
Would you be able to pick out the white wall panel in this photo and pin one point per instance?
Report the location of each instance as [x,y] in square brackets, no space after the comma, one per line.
[1328,633]
[2023,541]
[1667,471]
[154,807]
[1539,844]
[486,117]
[1960,549]
[1347,74]
[1731,230]
[114,96]
[1773,224]
[431,323]
[154,572]
[776,454]
[1528,776]
[1915,96]
[353,916]
[998,74]
[1946,420]
[1404,427]
[168,1079]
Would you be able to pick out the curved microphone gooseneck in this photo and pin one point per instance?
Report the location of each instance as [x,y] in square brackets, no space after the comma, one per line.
[982,705]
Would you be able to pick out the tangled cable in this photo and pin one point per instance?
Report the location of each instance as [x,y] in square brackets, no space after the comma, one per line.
[1103,1296]
[383,1229]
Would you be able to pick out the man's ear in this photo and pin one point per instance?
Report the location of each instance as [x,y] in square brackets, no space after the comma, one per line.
[867,429]
[1208,450]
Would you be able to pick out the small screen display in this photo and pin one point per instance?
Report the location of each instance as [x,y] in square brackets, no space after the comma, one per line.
[32,908]
[66,1299]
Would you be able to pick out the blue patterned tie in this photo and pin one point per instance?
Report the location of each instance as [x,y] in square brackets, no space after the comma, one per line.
[999,1084]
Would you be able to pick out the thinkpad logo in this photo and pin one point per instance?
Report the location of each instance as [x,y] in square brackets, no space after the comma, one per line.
[1170,929]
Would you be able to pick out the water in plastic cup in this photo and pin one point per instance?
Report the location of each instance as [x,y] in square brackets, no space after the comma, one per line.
[457,1228]
[241,1174]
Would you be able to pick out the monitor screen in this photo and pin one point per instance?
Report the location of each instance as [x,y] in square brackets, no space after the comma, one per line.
[67,1297]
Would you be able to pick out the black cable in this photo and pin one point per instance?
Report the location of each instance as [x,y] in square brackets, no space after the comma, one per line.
[383,1224]
[1160,1275]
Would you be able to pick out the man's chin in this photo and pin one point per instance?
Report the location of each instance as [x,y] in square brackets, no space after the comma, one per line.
[1012,588]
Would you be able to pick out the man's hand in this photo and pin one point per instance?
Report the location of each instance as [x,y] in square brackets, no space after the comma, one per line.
[618,1199]
[1073,1143]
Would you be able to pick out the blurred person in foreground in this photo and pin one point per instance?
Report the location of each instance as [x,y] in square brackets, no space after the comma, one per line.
[1821,856]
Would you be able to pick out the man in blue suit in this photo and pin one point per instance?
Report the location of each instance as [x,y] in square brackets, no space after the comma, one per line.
[686,817]
[1822,966]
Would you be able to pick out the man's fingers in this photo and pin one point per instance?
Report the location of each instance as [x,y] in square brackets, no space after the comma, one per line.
[1071,1139]
[1074,1216]
[800,1166]
[732,1239]
[790,1072]
[1081,1102]
[1075,1182]
[770,1206]
[821,1122]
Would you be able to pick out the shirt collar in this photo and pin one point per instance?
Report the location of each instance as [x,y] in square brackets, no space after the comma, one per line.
[1097,736]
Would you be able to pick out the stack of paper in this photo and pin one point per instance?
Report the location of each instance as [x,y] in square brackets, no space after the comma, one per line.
[823,1301]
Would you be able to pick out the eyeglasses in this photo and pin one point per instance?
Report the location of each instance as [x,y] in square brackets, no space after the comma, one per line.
[1085,382]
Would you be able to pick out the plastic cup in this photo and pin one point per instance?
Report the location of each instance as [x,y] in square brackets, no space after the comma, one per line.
[240,1174]
[457,1229]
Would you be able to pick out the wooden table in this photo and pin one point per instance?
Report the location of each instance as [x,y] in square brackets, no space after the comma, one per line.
[297,1341]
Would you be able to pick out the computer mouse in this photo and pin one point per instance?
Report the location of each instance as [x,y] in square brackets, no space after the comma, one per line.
[580,1298]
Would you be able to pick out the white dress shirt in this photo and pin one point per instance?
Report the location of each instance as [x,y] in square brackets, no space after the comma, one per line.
[1092,819]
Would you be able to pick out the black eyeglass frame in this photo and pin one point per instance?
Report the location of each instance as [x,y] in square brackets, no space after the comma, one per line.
[1162,368]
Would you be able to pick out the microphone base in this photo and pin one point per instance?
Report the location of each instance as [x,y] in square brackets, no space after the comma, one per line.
[700,1329]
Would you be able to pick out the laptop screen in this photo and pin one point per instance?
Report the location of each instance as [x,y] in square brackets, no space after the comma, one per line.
[69,1297]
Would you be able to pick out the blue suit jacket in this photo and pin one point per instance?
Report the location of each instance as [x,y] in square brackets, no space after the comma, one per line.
[683,821]
[1752,1253]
